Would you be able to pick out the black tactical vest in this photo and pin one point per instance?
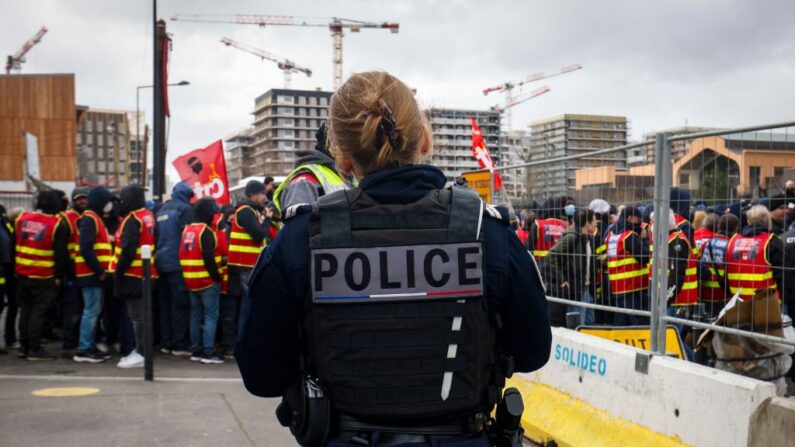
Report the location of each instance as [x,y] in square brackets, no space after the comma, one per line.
[397,326]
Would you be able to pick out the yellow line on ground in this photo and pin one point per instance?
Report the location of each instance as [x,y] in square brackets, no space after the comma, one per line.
[66,392]
[552,415]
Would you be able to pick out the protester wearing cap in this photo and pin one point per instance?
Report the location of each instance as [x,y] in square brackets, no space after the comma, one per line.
[70,298]
[778,213]
[247,236]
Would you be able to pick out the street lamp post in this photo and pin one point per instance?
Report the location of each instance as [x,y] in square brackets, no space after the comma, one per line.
[137,117]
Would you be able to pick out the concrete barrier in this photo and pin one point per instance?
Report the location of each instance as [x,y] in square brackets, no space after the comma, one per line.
[773,423]
[598,392]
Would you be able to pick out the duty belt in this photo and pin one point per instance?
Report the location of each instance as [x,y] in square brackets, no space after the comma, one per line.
[469,427]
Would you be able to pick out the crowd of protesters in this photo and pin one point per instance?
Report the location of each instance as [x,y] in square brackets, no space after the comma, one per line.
[71,272]
[72,269]
[602,254]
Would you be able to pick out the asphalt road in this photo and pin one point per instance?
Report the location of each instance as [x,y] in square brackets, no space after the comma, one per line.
[188,404]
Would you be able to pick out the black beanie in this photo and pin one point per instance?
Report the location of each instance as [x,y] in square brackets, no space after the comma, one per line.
[49,202]
[254,187]
[204,210]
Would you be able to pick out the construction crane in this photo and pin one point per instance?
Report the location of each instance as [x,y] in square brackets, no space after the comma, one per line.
[335,24]
[516,101]
[15,61]
[508,87]
[287,66]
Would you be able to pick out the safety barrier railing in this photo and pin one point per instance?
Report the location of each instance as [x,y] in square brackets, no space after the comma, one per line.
[724,172]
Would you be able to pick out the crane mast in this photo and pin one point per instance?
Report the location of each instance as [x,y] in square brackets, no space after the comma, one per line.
[335,24]
[286,65]
[15,61]
[508,87]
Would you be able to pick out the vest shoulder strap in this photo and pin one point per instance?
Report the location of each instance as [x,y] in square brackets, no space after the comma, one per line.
[466,214]
[335,225]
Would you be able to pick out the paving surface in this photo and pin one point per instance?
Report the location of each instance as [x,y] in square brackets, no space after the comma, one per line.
[188,404]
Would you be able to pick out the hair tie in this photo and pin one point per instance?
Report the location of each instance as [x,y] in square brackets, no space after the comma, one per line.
[388,128]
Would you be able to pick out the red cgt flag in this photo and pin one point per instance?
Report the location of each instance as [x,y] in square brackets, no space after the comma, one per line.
[205,170]
[481,153]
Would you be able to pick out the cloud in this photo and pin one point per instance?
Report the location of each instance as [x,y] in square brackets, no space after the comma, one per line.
[712,62]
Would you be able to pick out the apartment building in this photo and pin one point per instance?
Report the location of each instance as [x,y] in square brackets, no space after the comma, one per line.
[452,138]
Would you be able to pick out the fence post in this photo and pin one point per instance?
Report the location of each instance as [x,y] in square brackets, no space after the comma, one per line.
[491,184]
[147,339]
[659,268]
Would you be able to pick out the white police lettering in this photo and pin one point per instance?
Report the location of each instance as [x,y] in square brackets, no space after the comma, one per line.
[409,272]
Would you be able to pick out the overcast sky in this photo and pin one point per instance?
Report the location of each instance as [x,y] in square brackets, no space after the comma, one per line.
[660,63]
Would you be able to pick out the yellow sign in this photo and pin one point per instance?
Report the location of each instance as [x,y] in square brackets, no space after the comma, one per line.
[66,392]
[637,336]
[479,182]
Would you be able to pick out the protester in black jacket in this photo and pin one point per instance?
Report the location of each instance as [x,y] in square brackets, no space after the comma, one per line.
[568,268]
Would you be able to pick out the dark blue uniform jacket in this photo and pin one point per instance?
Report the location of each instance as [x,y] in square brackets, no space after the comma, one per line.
[268,348]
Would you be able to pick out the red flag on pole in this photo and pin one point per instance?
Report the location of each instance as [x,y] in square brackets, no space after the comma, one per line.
[205,170]
[481,153]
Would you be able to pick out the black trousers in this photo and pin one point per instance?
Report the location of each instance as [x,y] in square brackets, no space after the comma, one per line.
[174,307]
[229,311]
[36,297]
[72,311]
[11,295]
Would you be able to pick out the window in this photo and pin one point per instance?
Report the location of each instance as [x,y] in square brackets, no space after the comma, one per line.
[684,179]
[312,101]
[778,171]
[324,101]
[286,145]
[754,174]
[282,99]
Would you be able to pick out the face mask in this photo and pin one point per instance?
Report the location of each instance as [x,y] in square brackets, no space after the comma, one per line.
[108,207]
[570,209]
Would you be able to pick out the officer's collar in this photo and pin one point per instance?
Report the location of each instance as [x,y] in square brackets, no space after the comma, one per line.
[402,184]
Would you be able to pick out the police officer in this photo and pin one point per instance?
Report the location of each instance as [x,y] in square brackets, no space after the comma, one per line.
[38,271]
[406,304]
[314,175]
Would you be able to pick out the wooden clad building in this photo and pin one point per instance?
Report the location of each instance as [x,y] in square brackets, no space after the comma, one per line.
[43,105]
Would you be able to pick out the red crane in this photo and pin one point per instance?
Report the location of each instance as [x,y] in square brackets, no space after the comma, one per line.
[14,62]
[335,24]
[287,66]
[508,87]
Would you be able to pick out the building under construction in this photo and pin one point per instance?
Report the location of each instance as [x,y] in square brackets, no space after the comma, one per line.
[109,153]
[571,134]
[452,138]
[285,121]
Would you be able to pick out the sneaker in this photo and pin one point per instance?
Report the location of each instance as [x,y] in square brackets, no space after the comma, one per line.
[88,357]
[41,355]
[180,353]
[165,351]
[229,356]
[196,356]
[102,347]
[134,360]
[98,353]
[16,345]
[211,359]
